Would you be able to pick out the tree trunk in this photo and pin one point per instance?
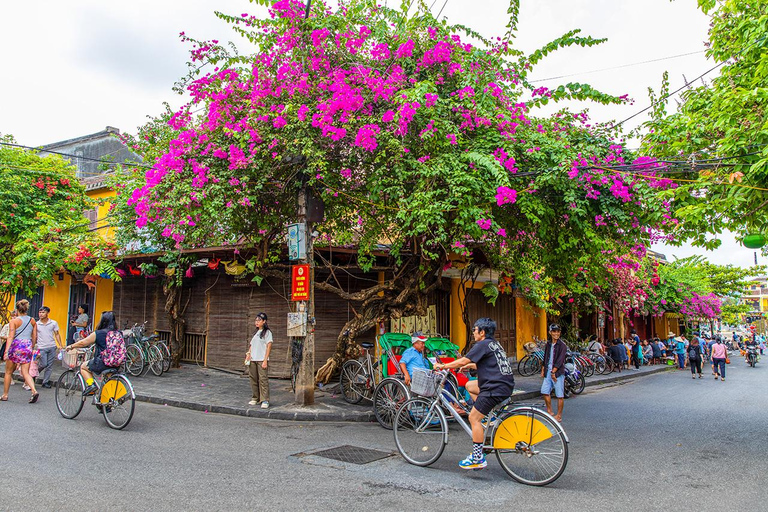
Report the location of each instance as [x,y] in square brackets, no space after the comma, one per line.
[405,294]
[176,321]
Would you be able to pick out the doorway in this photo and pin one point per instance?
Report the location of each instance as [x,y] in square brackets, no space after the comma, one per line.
[79,295]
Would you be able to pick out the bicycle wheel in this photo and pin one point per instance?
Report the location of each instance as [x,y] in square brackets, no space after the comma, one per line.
[530,446]
[134,360]
[521,365]
[69,394]
[155,361]
[600,365]
[166,353]
[117,401]
[387,398]
[421,431]
[579,386]
[352,381]
[589,367]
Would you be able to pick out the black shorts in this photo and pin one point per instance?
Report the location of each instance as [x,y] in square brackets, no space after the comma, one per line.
[484,403]
[96,365]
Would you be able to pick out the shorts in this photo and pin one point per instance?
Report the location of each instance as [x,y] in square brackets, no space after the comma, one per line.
[20,351]
[559,385]
[96,365]
[484,403]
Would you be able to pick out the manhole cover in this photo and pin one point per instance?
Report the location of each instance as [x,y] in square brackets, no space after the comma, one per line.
[351,454]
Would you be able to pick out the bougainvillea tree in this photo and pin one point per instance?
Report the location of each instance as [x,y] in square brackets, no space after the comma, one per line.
[416,134]
[42,227]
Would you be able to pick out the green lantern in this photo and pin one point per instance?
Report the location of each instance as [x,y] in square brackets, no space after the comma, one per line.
[754,241]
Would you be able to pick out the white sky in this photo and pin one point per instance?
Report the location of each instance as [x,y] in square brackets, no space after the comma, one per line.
[72,68]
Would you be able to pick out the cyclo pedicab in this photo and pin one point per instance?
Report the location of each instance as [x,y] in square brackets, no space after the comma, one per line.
[378,380]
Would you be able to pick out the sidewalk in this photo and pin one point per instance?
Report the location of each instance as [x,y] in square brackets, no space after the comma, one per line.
[214,391]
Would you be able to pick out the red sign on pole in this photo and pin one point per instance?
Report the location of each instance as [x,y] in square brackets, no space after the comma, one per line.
[300,282]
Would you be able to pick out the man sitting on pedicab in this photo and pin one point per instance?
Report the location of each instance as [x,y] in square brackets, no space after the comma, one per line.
[413,358]
[494,384]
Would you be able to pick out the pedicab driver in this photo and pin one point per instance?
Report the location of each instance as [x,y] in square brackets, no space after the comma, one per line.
[413,358]
[494,384]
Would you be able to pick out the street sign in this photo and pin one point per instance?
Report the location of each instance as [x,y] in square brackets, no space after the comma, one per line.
[297,241]
[300,282]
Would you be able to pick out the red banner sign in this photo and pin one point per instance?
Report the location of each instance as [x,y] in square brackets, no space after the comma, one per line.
[300,282]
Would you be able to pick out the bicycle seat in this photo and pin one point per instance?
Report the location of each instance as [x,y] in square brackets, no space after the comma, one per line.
[109,371]
[366,345]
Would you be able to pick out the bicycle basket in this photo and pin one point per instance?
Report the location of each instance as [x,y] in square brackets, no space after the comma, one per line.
[424,382]
[530,347]
[70,359]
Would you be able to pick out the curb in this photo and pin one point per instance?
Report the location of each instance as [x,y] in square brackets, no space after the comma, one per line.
[527,395]
[302,414]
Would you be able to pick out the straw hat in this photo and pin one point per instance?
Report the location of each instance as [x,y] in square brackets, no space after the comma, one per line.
[670,333]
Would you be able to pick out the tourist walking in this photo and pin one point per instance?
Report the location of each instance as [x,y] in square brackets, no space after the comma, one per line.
[695,357]
[680,352]
[22,336]
[719,357]
[48,343]
[553,371]
[257,359]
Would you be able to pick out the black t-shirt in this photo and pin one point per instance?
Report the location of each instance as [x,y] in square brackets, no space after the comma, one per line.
[494,371]
[101,341]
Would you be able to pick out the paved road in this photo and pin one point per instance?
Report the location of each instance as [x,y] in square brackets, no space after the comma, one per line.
[657,443]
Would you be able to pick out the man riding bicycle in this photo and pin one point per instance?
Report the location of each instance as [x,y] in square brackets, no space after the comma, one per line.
[494,384]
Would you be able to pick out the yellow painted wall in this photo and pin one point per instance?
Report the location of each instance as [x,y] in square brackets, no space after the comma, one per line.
[56,297]
[107,232]
[105,292]
[530,321]
[458,327]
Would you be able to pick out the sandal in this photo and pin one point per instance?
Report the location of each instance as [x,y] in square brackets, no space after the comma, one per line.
[4,398]
[34,398]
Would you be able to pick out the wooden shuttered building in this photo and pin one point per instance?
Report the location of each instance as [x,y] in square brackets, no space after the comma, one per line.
[220,313]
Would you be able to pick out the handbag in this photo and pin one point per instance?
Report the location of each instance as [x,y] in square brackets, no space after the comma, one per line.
[2,350]
[727,360]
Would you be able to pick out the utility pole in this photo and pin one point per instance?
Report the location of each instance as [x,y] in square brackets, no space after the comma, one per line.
[305,381]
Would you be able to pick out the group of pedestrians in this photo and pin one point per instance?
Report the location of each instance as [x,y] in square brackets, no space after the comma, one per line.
[24,339]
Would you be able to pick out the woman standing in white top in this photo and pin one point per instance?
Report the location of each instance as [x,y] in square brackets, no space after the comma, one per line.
[257,360]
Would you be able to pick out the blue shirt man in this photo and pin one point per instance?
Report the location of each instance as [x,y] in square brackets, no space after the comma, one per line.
[413,358]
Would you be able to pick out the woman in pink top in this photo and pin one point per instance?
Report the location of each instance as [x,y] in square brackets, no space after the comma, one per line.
[719,354]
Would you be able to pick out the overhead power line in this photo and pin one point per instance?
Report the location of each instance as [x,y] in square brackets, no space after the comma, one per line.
[69,155]
[685,86]
[618,67]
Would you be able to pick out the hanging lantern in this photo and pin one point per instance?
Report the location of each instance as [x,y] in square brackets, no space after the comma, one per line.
[754,241]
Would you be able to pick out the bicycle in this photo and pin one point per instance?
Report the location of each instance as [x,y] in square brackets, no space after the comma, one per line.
[115,397]
[142,353]
[530,445]
[358,379]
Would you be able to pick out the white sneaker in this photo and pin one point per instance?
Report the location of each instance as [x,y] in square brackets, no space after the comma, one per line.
[252,402]
[26,387]
[265,404]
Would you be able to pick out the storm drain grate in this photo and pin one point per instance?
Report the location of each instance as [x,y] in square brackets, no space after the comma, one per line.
[352,454]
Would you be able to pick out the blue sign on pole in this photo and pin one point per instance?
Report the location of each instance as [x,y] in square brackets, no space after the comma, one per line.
[297,241]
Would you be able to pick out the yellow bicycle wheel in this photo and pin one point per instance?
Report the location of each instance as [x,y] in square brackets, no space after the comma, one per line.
[530,445]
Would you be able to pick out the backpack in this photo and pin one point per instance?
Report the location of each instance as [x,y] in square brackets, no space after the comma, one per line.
[692,354]
[114,353]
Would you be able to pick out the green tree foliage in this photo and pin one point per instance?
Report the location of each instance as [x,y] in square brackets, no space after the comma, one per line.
[723,123]
[42,227]
[413,138]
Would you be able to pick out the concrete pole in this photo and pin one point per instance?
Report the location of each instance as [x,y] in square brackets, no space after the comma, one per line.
[305,382]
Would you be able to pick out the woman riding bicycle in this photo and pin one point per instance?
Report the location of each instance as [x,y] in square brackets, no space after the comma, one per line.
[96,364]
[494,384]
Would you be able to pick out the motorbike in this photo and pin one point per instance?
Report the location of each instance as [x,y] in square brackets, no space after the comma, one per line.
[574,380]
[752,355]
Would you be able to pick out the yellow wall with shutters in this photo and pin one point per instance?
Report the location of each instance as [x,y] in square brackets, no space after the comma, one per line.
[102,224]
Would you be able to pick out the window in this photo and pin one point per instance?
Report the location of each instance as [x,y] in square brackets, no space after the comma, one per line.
[91,216]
